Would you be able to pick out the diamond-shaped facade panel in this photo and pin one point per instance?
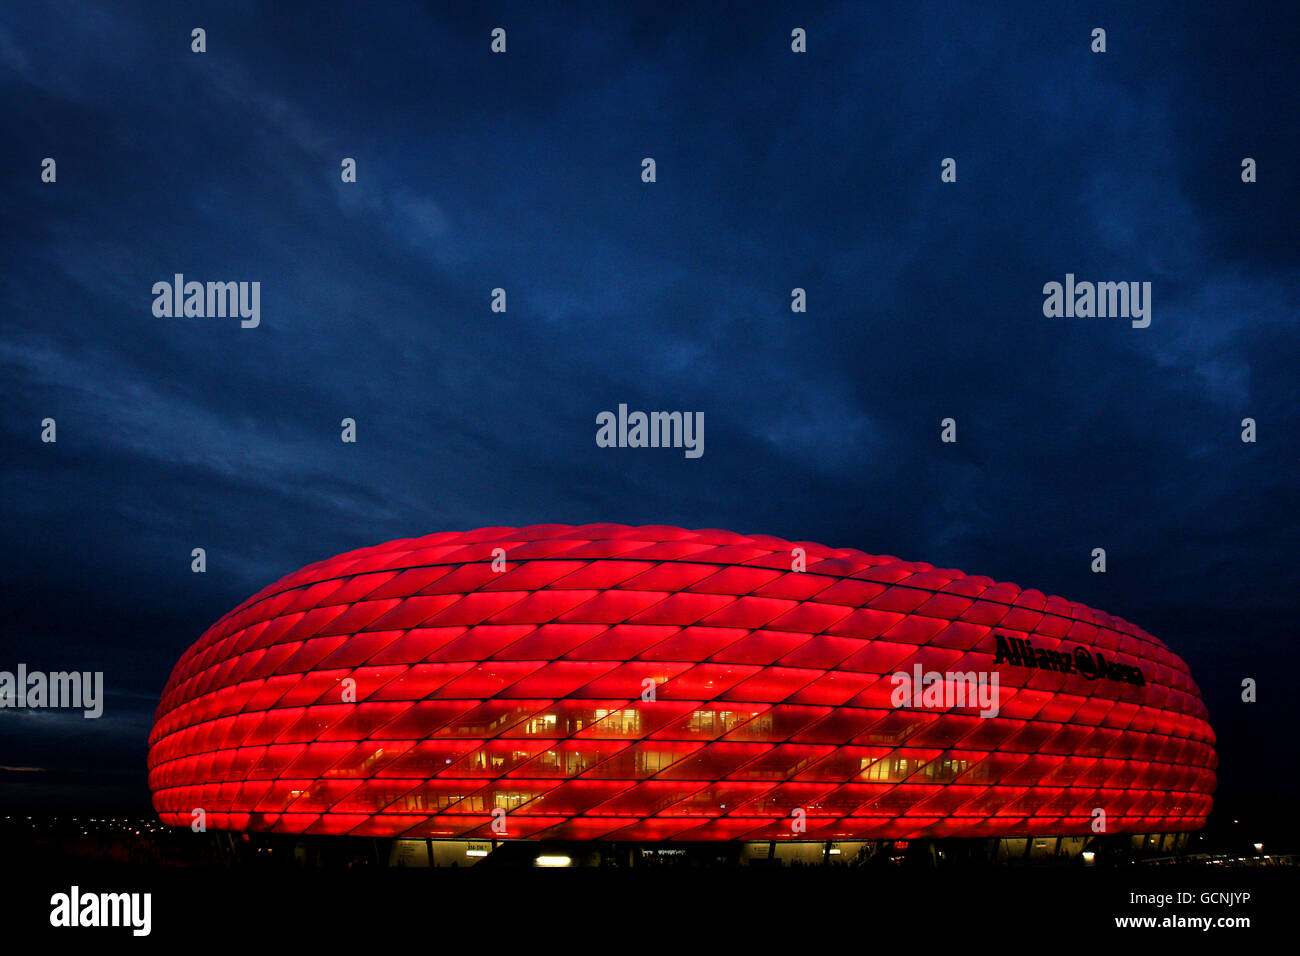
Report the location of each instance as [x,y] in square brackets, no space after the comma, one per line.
[610,682]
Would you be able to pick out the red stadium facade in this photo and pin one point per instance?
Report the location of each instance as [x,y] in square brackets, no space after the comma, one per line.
[611,683]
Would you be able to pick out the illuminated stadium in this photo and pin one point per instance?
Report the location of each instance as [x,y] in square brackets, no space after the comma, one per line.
[651,687]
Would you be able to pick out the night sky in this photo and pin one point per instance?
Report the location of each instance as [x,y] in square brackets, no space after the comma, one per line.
[522,171]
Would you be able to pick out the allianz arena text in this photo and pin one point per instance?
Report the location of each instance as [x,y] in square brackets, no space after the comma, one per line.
[614,683]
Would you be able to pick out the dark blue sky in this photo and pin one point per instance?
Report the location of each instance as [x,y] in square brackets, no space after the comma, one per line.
[522,171]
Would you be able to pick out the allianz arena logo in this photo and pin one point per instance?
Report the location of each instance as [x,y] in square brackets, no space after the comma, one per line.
[1018,652]
[978,690]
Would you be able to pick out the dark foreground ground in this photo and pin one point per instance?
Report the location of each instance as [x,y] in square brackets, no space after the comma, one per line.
[687,909]
[203,897]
